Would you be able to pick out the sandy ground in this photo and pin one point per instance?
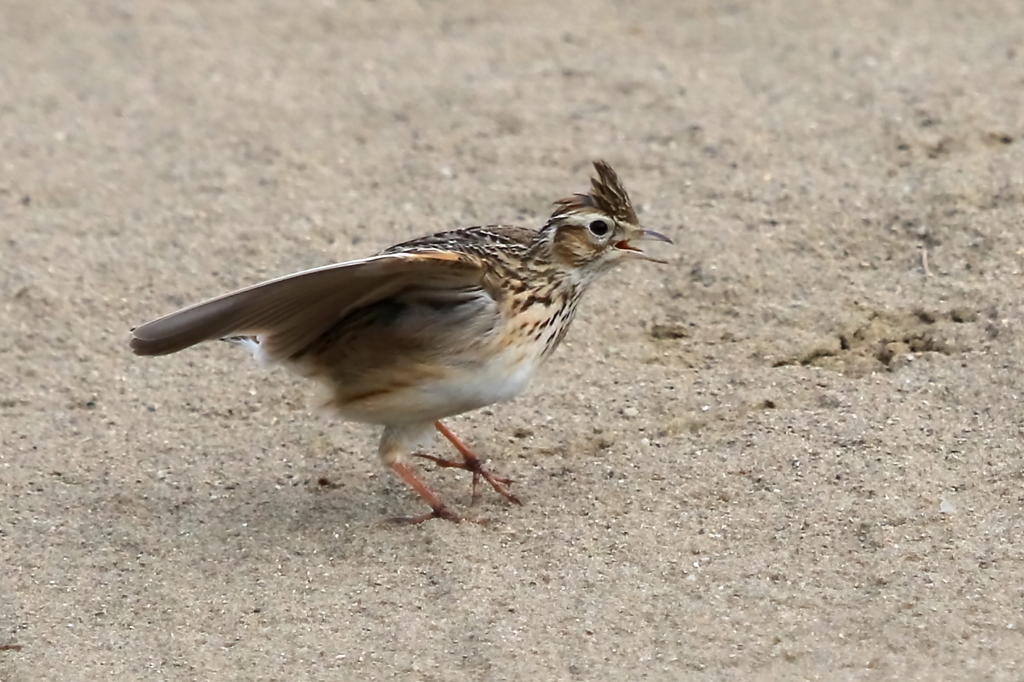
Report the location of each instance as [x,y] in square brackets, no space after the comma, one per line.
[793,453]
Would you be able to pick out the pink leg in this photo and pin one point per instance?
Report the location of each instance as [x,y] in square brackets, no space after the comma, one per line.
[440,510]
[471,462]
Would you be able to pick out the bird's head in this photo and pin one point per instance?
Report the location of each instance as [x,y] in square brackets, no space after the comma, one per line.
[589,233]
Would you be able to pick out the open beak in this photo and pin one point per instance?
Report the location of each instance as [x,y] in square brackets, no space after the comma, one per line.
[642,235]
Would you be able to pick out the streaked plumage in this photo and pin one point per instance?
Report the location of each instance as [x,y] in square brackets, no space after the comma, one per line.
[427,329]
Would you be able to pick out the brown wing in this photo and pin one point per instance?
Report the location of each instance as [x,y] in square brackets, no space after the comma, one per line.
[292,311]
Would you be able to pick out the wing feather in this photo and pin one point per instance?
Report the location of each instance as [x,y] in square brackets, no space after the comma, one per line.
[290,312]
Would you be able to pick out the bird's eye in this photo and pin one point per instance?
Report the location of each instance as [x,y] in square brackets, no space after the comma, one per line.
[599,228]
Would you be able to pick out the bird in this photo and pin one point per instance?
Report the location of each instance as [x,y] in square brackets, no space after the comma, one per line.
[429,328]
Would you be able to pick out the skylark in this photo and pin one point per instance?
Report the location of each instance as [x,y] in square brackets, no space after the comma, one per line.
[427,329]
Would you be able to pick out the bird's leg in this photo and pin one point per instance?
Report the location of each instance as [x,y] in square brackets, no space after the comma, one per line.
[472,463]
[439,509]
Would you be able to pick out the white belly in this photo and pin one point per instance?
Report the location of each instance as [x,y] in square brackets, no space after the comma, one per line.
[458,390]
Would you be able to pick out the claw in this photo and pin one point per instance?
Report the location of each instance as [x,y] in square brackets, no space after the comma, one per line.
[472,463]
[441,512]
[476,467]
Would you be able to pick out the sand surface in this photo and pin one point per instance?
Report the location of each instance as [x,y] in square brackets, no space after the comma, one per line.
[795,452]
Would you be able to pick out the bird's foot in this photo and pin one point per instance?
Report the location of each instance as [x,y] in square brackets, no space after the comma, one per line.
[474,465]
[442,512]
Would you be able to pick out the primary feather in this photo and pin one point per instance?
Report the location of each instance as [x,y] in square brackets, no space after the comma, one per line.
[290,312]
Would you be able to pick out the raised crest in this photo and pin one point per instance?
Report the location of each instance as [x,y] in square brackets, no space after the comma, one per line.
[606,195]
